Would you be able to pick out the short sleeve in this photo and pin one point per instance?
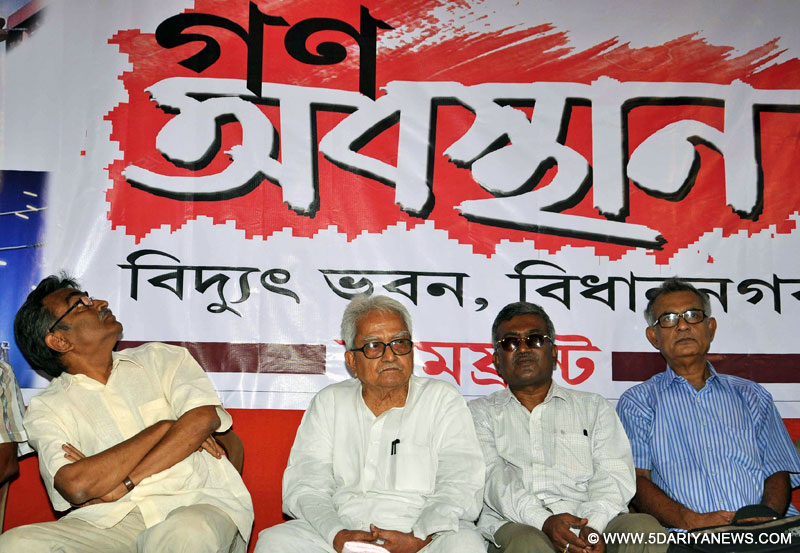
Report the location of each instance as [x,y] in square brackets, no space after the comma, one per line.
[186,385]
[636,416]
[47,433]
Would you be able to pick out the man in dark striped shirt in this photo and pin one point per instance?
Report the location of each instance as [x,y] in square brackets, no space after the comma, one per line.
[704,444]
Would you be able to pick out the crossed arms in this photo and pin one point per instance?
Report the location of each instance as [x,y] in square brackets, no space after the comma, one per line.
[154,449]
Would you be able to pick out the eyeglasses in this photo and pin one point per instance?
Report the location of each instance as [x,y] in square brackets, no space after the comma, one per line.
[691,316]
[82,300]
[511,343]
[375,350]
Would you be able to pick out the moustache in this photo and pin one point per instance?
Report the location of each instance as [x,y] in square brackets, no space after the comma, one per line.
[525,356]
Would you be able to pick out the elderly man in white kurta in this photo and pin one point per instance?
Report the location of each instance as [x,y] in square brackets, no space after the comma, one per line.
[387,458]
[125,439]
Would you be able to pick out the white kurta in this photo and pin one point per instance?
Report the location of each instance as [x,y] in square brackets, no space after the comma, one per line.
[417,468]
[147,384]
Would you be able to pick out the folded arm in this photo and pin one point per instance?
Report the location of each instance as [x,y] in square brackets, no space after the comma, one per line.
[96,475]
[651,499]
[777,492]
[152,450]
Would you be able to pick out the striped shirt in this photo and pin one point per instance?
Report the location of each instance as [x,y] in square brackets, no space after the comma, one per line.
[709,449]
[12,409]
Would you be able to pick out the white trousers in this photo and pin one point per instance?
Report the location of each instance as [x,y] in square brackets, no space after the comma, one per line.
[193,529]
[298,536]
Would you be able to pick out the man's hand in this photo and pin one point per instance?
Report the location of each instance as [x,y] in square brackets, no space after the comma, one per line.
[703,520]
[73,454]
[399,542]
[214,448]
[344,536]
[596,542]
[559,529]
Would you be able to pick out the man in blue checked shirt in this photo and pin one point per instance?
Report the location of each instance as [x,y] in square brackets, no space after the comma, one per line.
[704,444]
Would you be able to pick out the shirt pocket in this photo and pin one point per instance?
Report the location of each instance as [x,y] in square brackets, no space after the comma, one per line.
[156,410]
[574,455]
[415,469]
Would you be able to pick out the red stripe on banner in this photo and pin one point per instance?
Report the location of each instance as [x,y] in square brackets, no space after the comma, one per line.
[765,368]
[224,357]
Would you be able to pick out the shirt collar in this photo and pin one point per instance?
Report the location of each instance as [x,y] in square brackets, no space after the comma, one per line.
[68,379]
[506,396]
[670,377]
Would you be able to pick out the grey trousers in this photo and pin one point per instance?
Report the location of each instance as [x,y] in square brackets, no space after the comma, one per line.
[521,538]
[193,529]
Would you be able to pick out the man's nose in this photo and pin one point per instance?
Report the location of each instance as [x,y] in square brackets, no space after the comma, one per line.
[388,354]
[523,345]
[682,324]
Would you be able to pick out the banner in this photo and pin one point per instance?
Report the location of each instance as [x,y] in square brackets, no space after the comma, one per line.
[229,174]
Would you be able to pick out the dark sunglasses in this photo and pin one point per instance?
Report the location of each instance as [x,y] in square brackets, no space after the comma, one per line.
[511,343]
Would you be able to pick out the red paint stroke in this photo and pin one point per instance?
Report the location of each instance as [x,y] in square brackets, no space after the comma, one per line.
[356,204]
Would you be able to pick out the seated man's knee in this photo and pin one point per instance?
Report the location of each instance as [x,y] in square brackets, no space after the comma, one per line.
[465,540]
[294,536]
[22,538]
[513,537]
[191,530]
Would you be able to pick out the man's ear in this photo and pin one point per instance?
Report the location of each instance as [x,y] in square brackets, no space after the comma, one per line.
[496,363]
[652,336]
[349,360]
[57,342]
[712,328]
[554,350]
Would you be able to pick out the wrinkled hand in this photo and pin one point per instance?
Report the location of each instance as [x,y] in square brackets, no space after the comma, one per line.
[703,520]
[344,536]
[596,543]
[399,542]
[213,447]
[559,529]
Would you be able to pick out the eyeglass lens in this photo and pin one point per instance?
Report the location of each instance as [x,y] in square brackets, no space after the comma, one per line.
[691,316]
[374,350]
[512,343]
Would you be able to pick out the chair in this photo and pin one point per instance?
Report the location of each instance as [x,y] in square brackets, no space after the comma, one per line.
[233,447]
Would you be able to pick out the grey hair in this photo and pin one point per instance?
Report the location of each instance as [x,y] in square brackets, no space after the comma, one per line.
[362,304]
[669,286]
[522,308]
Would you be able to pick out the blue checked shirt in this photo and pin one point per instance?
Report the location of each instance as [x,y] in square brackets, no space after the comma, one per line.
[709,449]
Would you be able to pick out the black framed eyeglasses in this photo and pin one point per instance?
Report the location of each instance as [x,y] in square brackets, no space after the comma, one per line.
[691,316]
[375,350]
[82,300]
[511,343]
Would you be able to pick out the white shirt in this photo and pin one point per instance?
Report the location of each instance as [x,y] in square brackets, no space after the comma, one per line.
[569,455]
[149,383]
[342,473]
